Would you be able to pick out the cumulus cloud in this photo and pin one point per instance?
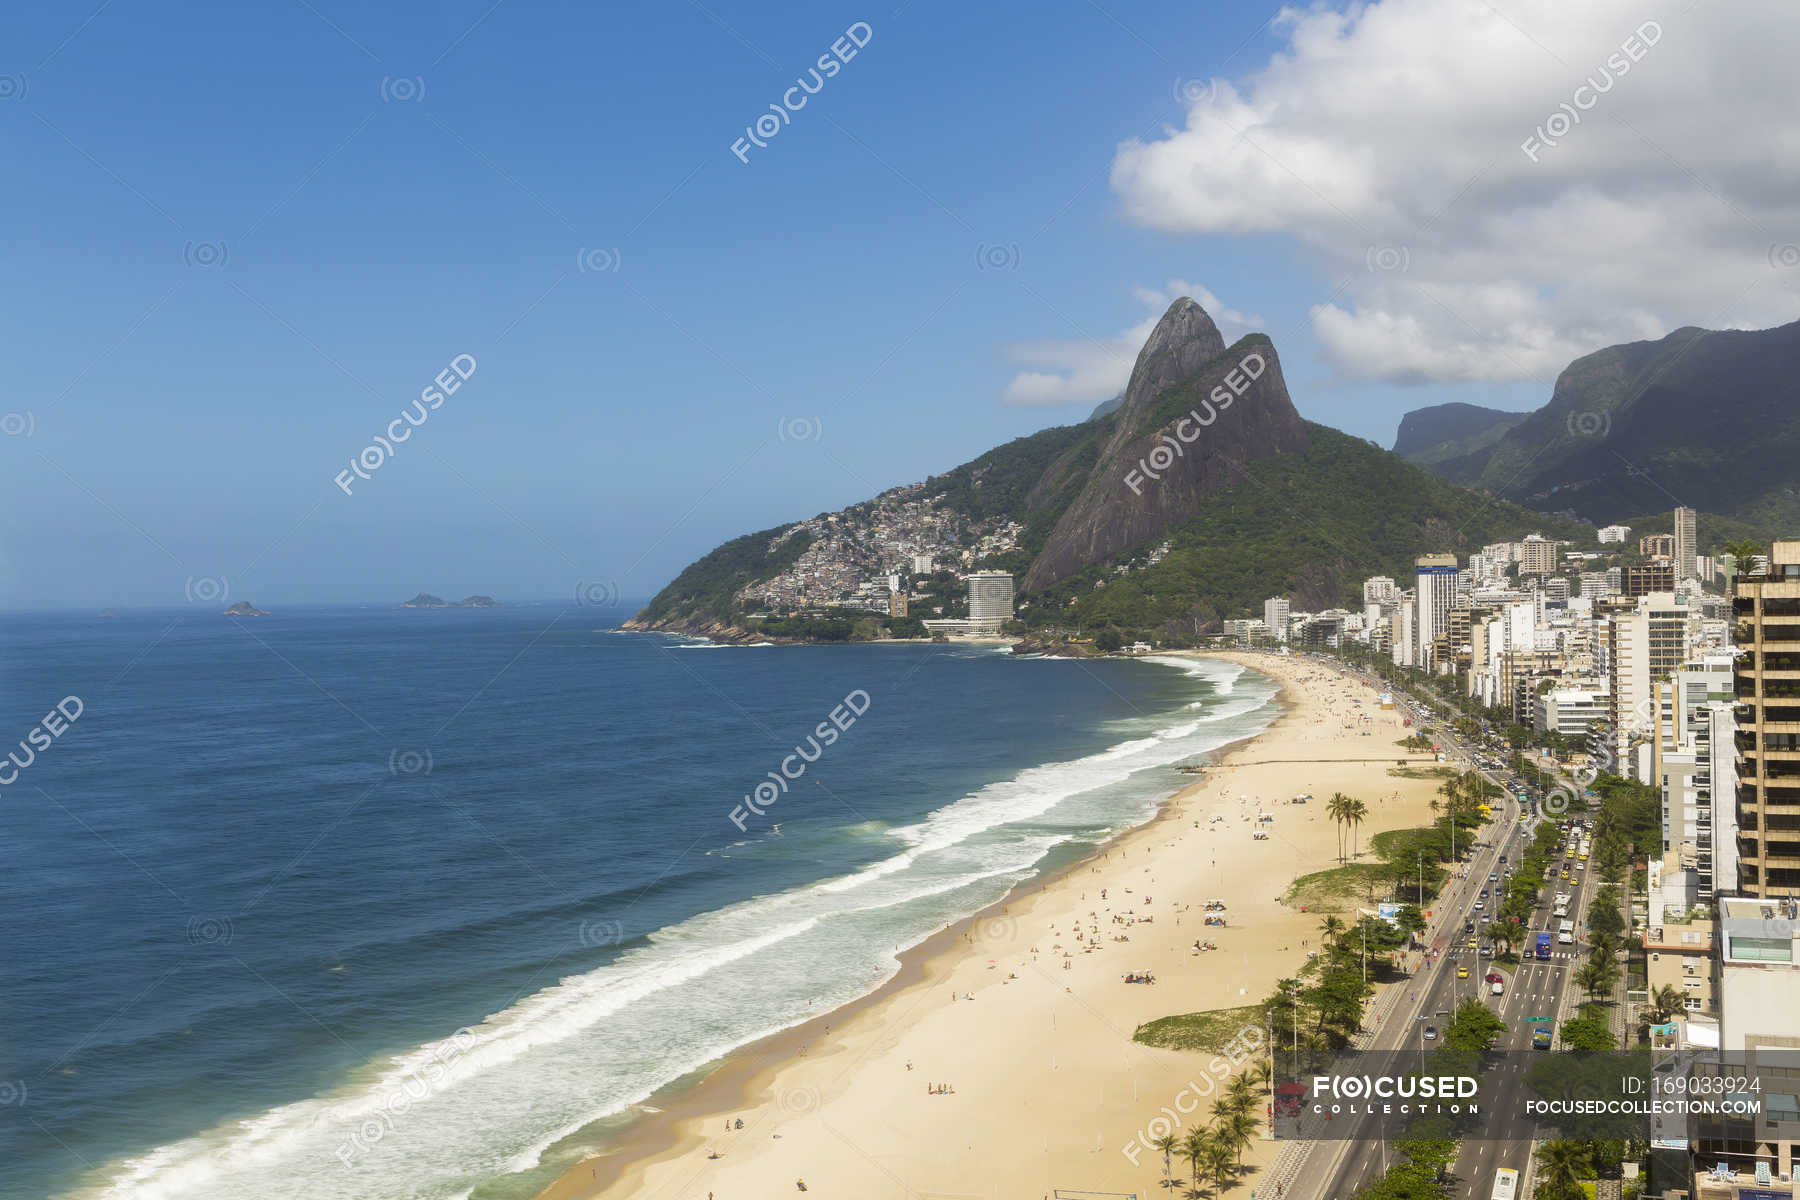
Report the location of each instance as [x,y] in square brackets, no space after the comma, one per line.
[1487,191]
[1089,370]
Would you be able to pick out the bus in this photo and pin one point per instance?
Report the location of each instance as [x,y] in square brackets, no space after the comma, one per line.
[1543,945]
[1565,933]
[1506,1184]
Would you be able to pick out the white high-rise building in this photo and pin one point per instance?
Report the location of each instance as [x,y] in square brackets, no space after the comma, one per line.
[1379,589]
[1435,589]
[990,600]
[1686,547]
[1275,615]
[922,564]
[1400,632]
[1613,533]
[1644,643]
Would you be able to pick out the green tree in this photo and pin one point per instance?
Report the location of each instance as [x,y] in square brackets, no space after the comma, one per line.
[1560,1167]
[1472,1027]
[1597,979]
[1586,1034]
[1166,1143]
[1194,1149]
[1353,816]
[1220,1162]
[1665,1004]
[1338,809]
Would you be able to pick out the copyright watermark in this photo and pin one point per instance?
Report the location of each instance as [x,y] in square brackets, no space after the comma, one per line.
[1558,125]
[767,791]
[1186,430]
[760,132]
[444,384]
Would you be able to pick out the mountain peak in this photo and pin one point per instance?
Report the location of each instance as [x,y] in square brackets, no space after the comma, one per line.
[1195,413]
[1182,342]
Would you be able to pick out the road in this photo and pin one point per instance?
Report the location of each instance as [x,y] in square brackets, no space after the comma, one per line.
[1336,1169]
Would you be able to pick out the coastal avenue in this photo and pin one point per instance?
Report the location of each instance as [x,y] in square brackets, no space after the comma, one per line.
[1336,1169]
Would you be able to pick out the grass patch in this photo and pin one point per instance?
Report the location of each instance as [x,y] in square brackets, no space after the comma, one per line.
[1203,1032]
[1390,841]
[1338,888]
[1421,772]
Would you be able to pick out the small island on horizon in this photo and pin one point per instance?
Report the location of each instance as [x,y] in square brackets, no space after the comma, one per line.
[427,600]
[243,608]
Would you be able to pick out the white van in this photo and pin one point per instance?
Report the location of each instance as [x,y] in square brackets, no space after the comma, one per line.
[1562,910]
[1497,988]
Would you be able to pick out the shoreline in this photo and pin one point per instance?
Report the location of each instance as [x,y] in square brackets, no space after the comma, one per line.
[726,1089]
[663,1152]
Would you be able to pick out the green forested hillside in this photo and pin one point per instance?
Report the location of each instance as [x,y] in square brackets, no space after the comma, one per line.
[1311,526]
[706,590]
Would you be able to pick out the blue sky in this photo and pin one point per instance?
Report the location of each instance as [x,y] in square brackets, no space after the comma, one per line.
[241,239]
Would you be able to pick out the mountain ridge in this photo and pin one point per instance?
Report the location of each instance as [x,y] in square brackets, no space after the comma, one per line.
[1202,489]
[1709,419]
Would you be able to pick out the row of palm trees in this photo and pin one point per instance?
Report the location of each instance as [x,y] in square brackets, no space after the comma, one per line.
[1346,811]
[1215,1151]
[1600,972]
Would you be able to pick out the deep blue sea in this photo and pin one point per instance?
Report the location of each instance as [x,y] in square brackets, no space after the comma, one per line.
[372,902]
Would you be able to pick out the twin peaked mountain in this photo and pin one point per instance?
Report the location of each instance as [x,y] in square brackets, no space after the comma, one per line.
[1193,414]
[1202,492]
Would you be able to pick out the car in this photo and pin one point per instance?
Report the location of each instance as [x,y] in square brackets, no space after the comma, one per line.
[1471,943]
[1462,972]
[1497,988]
[1431,1033]
[1494,977]
[1565,876]
[1493,877]
[1484,893]
[1468,927]
[1487,951]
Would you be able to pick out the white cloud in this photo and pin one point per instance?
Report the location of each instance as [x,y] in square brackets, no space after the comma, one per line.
[1087,371]
[1406,145]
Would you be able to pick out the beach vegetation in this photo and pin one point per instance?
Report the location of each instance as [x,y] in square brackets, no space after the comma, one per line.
[1211,1032]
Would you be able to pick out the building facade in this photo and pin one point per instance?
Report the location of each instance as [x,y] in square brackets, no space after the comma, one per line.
[1766,606]
[990,600]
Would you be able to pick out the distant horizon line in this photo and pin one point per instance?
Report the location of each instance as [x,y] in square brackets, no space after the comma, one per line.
[624,606]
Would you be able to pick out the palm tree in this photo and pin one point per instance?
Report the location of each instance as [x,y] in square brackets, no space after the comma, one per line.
[1194,1149]
[1353,815]
[1338,809]
[1596,979]
[1559,1168]
[1744,552]
[1332,929]
[1220,1158]
[1237,1129]
[1165,1143]
[1666,1002]
[1500,933]
[1240,1095]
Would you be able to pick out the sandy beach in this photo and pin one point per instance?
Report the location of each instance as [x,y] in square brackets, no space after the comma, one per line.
[1023,1012]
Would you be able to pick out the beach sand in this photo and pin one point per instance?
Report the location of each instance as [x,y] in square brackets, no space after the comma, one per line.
[1031,1027]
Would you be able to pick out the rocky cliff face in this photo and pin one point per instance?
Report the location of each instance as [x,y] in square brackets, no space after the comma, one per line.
[1194,413]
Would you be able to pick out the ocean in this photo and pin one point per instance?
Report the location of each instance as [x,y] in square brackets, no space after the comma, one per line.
[381,903]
